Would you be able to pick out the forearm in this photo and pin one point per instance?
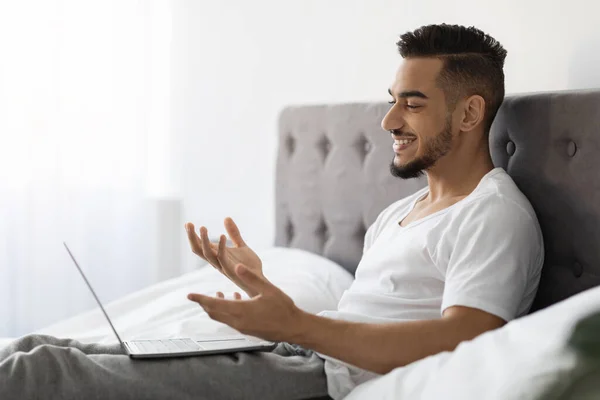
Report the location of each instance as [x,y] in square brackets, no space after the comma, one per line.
[381,347]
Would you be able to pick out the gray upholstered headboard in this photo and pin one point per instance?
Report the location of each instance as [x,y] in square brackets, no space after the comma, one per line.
[333,179]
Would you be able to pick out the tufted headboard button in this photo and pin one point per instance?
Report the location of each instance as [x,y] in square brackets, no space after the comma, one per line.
[323,230]
[289,231]
[577,269]
[571,148]
[362,146]
[324,146]
[290,144]
[510,148]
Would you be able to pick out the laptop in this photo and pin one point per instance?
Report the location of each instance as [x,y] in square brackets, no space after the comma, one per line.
[179,347]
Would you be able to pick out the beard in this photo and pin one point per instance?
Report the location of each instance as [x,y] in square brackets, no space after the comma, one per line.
[435,148]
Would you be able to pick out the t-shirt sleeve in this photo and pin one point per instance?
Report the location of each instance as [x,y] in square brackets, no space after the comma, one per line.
[495,258]
[375,228]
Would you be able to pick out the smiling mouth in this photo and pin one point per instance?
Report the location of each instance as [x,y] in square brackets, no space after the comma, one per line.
[402,144]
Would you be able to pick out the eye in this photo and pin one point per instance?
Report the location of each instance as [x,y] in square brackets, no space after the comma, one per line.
[392,102]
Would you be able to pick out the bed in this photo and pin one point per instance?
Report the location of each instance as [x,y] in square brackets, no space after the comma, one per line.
[332,180]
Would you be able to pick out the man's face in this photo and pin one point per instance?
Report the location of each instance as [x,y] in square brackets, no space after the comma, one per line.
[418,121]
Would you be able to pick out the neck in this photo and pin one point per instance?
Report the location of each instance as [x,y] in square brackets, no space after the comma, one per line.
[458,175]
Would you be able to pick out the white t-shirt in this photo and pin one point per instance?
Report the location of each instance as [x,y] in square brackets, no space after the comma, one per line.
[485,251]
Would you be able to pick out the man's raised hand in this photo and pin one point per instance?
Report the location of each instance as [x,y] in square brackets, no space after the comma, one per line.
[225,258]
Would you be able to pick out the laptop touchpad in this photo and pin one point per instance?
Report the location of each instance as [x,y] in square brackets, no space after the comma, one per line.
[223,344]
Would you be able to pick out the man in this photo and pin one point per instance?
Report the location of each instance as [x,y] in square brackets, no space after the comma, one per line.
[458,258]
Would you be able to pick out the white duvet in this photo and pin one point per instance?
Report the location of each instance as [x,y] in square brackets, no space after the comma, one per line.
[163,311]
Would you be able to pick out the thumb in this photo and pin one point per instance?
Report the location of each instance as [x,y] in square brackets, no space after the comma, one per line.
[257,283]
[234,232]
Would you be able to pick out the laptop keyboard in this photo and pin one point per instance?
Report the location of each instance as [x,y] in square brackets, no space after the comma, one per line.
[163,346]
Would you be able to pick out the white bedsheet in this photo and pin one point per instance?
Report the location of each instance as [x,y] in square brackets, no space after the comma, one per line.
[163,311]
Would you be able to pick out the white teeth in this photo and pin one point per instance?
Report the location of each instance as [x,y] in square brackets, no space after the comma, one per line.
[404,141]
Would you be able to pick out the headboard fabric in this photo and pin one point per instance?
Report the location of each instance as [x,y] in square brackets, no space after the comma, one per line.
[333,179]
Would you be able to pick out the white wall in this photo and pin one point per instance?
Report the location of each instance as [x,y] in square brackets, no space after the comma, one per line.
[236,64]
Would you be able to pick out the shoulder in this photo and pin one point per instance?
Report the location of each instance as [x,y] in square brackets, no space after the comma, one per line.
[497,197]
[495,215]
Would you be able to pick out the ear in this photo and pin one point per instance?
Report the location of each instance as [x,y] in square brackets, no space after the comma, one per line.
[473,114]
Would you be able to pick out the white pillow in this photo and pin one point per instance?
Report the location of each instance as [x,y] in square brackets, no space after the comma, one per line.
[519,361]
[314,282]
[162,310]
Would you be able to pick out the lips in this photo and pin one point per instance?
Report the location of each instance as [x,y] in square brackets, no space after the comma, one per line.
[402,144]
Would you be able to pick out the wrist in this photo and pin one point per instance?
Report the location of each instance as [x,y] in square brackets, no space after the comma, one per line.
[253,293]
[302,327]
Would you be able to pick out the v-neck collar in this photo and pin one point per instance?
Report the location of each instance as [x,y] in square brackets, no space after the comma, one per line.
[444,210]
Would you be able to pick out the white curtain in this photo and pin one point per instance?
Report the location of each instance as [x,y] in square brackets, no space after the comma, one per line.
[84,152]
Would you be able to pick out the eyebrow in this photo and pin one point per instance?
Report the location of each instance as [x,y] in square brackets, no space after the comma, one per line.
[410,93]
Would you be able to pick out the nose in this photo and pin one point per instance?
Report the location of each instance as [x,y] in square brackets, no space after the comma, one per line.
[392,120]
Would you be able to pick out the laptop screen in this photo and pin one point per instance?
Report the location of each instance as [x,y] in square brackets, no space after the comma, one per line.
[93,293]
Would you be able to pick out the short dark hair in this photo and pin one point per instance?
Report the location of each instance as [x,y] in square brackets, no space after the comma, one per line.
[473,62]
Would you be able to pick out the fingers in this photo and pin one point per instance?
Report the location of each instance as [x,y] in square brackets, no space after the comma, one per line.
[236,295]
[207,249]
[221,248]
[222,256]
[218,305]
[213,314]
[234,232]
[194,240]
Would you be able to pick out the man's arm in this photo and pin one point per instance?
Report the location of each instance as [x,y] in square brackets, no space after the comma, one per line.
[383,347]
[272,315]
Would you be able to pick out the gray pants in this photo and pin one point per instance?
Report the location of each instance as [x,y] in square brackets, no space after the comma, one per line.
[44,367]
